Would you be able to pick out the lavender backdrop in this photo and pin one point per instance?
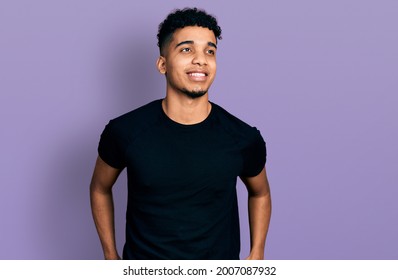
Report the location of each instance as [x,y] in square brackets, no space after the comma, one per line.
[318,78]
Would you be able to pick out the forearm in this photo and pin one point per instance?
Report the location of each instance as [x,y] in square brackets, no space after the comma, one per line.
[259,219]
[103,214]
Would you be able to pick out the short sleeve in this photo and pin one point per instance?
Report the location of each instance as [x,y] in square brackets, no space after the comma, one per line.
[110,147]
[254,156]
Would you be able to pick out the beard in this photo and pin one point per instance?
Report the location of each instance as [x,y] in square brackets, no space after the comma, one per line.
[194,94]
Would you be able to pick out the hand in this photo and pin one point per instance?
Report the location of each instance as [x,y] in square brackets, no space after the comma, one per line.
[255,256]
[112,257]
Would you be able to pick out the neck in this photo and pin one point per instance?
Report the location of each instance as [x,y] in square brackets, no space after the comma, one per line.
[185,110]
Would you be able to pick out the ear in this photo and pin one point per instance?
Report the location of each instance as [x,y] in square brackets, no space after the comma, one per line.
[161,64]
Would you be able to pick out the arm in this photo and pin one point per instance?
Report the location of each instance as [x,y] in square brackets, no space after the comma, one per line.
[259,212]
[101,198]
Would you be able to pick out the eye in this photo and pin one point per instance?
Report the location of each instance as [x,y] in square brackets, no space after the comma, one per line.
[185,50]
[211,52]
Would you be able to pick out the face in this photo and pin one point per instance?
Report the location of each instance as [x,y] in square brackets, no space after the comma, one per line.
[189,61]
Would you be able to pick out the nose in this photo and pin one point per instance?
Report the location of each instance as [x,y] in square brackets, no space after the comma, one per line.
[199,59]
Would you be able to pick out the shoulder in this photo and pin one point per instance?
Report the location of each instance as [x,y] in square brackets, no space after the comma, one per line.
[145,112]
[247,138]
[233,125]
[138,117]
[137,120]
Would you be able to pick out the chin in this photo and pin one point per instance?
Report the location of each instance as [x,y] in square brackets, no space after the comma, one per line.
[194,94]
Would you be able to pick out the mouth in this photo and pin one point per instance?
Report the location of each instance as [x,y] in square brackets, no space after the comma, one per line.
[197,75]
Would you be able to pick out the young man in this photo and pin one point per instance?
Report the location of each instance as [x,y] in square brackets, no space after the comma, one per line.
[183,155]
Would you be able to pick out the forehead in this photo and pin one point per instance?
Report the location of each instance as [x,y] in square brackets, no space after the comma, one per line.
[199,35]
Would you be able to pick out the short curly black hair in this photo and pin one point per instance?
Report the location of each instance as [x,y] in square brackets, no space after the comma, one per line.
[182,18]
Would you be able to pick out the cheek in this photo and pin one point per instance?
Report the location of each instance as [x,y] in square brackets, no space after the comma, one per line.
[213,64]
[214,69]
[177,67]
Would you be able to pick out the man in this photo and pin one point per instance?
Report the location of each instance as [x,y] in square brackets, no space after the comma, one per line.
[183,155]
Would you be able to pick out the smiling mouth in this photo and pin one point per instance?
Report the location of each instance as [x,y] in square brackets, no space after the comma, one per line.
[197,74]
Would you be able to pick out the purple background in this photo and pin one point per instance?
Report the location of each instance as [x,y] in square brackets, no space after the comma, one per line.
[318,78]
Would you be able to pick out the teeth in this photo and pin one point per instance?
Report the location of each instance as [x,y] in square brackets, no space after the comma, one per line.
[197,74]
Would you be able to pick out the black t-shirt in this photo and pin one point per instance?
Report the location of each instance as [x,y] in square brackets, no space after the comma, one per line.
[182,200]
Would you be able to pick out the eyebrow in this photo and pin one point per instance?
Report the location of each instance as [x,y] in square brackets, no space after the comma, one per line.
[192,42]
